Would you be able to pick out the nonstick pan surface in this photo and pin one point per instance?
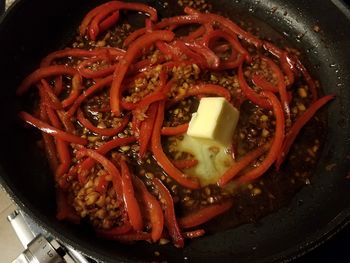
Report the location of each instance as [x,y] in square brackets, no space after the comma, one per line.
[33,28]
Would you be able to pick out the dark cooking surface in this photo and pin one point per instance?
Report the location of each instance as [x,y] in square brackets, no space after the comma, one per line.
[311,219]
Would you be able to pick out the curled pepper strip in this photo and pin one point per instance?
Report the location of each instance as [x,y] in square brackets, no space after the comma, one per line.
[87,164]
[177,130]
[256,98]
[154,210]
[162,159]
[48,96]
[146,129]
[201,89]
[102,131]
[131,205]
[276,145]
[42,73]
[44,127]
[124,63]
[94,74]
[185,164]
[75,91]
[91,90]
[103,10]
[241,164]
[102,22]
[116,53]
[204,214]
[169,213]
[107,165]
[298,125]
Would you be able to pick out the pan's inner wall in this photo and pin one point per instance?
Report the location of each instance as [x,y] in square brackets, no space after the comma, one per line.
[36,27]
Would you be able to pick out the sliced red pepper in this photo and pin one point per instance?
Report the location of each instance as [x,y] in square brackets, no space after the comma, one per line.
[241,164]
[162,159]
[133,36]
[44,127]
[204,214]
[42,73]
[154,210]
[102,184]
[102,131]
[98,73]
[146,129]
[169,213]
[201,89]
[177,130]
[298,125]
[107,165]
[115,231]
[123,65]
[87,164]
[281,85]
[64,210]
[276,145]
[131,205]
[144,102]
[185,164]
[309,80]
[49,144]
[226,23]
[58,88]
[109,22]
[91,90]
[250,93]
[107,17]
[49,99]
[103,10]
[75,91]
[262,83]
[116,53]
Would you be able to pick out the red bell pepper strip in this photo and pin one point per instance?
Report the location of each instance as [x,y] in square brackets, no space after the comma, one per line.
[241,164]
[116,53]
[281,85]
[58,87]
[185,164]
[42,73]
[109,22]
[113,6]
[201,89]
[49,144]
[107,165]
[115,231]
[309,80]
[276,145]
[131,205]
[50,99]
[250,93]
[65,211]
[169,213]
[262,83]
[104,16]
[146,129]
[123,65]
[226,23]
[87,164]
[193,234]
[98,73]
[75,91]
[298,125]
[102,131]
[177,130]
[144,102]
[61,146]
[91,90]
[200,31]
[133,36]
[154,210]
[162,159]
[204,214]
[44,127]
[102,184]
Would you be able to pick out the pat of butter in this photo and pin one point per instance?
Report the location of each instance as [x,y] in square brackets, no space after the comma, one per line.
[216,119]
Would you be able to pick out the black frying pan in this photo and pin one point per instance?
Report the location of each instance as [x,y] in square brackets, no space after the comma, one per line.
[33,28]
